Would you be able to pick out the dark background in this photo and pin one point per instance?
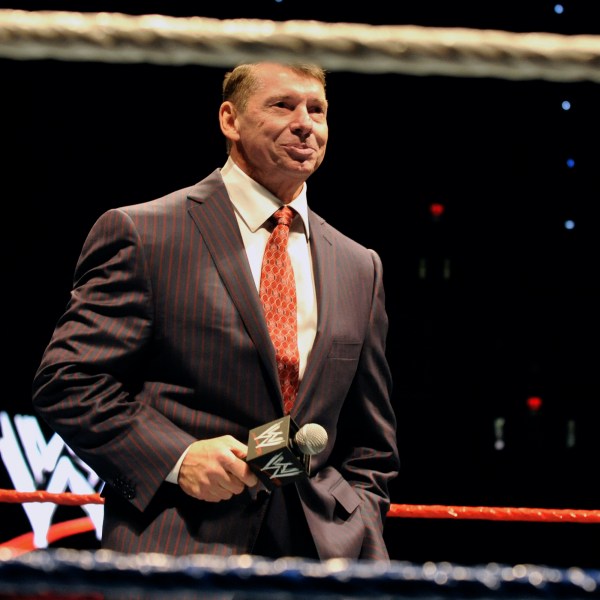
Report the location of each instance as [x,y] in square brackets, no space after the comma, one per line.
[490,304]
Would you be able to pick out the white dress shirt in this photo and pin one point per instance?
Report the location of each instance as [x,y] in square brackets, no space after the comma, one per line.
[254,205]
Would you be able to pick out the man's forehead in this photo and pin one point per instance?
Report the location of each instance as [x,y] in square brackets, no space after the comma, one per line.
[290,85]
[284,74]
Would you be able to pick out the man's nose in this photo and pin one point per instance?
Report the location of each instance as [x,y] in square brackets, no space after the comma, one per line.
[302,120]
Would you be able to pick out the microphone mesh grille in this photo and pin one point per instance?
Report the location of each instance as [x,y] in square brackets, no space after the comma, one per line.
[311,438]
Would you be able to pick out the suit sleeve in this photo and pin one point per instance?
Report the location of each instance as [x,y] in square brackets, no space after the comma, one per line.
[85,387]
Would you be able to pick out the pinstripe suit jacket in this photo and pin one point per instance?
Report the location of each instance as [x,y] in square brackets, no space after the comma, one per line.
[164,342]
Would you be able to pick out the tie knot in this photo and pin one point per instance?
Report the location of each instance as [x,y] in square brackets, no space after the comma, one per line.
[284,215]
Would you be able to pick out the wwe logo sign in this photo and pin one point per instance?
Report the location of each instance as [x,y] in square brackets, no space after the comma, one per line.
[33,463]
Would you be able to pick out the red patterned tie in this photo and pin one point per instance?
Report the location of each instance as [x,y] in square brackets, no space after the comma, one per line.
[278,295]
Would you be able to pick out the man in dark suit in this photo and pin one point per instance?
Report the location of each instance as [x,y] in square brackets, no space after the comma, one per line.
[162,362]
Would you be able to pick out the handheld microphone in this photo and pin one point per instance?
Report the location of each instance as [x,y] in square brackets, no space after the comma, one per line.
[279,452]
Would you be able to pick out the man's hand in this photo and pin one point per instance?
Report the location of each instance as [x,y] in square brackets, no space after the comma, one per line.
[215,469]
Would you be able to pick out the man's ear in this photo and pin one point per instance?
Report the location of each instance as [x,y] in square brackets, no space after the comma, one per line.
[228,121]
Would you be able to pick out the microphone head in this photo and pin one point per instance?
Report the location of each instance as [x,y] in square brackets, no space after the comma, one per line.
[311,439]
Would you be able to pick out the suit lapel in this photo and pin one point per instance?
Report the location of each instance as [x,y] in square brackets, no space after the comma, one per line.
[322,253]
[214,216]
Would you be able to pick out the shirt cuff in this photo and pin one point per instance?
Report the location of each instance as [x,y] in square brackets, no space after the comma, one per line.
[173,476]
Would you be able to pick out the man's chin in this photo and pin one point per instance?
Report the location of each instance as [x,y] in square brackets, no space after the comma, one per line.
[304,166]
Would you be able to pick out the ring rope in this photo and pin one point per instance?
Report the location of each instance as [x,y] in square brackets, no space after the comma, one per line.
[401,49]
[78,574]
[411,511]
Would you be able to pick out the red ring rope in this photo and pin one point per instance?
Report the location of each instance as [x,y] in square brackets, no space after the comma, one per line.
[410,511]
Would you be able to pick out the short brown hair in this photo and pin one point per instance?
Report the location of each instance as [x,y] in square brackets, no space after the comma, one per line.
[241,82]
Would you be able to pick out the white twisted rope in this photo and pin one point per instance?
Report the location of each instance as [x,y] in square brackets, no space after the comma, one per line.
[403,49]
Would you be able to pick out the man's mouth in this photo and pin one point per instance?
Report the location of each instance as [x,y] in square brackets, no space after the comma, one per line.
[300,152]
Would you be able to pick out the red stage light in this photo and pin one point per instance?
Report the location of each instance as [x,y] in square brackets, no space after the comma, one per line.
[436,209]
[534,403]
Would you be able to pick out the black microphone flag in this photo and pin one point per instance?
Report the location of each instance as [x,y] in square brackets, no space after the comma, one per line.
[275,456]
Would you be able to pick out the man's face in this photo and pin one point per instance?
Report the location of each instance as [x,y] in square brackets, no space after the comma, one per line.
[283,131]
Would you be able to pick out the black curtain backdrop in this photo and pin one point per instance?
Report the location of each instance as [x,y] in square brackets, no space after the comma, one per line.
[490,303]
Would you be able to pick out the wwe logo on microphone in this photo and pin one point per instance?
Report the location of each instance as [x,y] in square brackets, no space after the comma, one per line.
[272,436]
[272,455]
[279,467]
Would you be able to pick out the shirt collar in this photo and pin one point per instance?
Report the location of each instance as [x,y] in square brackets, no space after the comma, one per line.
[254,203]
